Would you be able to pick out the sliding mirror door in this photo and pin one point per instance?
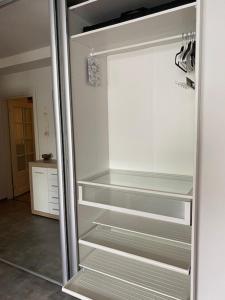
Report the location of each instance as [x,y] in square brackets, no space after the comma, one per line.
[29,176]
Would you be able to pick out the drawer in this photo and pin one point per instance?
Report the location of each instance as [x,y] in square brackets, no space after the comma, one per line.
[159,207]
[39,170]
[53,191]
[53,199]
[53,208]
[53,177]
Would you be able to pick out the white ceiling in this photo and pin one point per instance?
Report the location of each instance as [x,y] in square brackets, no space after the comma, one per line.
[24,26]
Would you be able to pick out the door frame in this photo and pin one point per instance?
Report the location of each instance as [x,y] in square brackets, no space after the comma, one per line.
[64,137]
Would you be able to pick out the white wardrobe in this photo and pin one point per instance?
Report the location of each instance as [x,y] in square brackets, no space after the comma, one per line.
[136,132]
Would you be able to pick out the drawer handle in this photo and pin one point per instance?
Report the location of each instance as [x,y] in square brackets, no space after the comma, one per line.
[56,209]
[55,198]
[36,172]
[54,185]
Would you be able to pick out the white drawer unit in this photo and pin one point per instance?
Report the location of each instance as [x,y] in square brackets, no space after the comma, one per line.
[44,190]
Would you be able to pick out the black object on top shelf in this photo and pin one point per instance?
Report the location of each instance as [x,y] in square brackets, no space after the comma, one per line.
[74,2]
[137,13]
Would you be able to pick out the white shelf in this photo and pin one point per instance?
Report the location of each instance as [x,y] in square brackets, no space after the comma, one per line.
[76,7]
[163,282]
[160,25]
[145,249]
[179,186]
[88,285]
[96,11]
[148,227]
[138,203]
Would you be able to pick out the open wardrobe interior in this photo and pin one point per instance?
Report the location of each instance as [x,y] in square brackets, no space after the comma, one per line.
[134,83]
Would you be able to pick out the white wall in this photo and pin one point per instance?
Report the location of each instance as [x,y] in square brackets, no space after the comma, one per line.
[36,83]
[211,240]
[37,58]
[151,119]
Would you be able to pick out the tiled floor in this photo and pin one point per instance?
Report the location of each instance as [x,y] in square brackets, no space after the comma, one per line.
[19,285]
[29,241]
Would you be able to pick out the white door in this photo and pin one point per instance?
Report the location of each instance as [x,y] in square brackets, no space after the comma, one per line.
[22,142]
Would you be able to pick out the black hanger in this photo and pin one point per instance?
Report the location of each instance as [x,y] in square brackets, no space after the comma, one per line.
[193,54]
[187,50]
[177,63]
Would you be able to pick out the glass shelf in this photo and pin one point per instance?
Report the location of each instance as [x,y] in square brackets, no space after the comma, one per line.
[179,185]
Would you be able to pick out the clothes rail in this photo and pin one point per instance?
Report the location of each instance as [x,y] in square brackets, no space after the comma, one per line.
[175,38]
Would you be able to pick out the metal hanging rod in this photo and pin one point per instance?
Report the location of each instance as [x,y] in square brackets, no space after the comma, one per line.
[143,45]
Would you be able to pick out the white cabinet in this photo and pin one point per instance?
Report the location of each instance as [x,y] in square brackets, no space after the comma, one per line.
[44,191]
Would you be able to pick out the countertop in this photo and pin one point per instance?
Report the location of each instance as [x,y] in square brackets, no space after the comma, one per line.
[44,163]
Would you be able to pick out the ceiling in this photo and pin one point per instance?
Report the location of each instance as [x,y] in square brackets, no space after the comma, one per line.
[24,26]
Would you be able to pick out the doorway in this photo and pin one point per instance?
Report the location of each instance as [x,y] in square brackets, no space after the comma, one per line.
[22,143]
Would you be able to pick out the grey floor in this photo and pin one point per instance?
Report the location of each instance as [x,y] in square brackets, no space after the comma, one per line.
[19,285]
[29,241]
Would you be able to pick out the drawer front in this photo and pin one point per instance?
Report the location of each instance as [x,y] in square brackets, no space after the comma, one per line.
[53,178]
[53,209]
[53,199]
[158,207]
[39,170]
[53,191]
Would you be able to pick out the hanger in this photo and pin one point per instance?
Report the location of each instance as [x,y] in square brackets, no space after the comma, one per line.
[188,60]
[180,53]
[193,53]
[187,51]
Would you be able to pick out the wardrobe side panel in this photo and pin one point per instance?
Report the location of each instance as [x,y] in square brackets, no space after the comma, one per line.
[211,225]
[90,111]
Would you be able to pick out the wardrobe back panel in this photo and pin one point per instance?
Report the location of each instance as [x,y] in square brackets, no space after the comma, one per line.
[151,118]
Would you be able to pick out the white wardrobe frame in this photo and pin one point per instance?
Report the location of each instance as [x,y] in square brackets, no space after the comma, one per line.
[66,157]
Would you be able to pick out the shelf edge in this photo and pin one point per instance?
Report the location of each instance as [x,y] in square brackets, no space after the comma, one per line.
[133,212]
[188,198]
